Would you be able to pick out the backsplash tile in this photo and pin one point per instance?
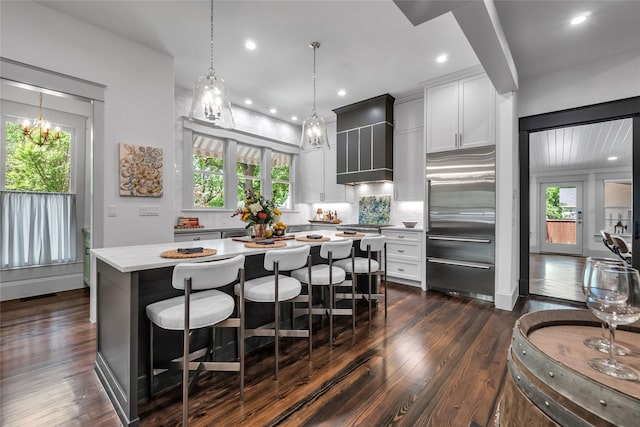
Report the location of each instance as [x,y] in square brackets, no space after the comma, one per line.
[374,210]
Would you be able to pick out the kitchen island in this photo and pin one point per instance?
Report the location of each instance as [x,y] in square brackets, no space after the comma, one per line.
[130,278]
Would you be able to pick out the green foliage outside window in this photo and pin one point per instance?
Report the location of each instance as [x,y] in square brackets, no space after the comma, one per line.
[30,167]
[281,187]
[208,188]
[554,211]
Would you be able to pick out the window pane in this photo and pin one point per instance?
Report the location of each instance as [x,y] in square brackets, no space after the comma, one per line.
[281,192]
[203,163]
[245,187]
[248,161]
[617,207]
[208,190]
[280,165]
[31,167]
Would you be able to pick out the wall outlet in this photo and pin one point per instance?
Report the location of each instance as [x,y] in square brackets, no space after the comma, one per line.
[112,211]
[149,210]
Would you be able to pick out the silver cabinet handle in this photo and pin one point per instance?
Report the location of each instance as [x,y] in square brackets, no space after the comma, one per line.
[401,236]
[459,263]
[455,140]
[460,140]
[459,239]
[400,269]
[196,238]
[401,250]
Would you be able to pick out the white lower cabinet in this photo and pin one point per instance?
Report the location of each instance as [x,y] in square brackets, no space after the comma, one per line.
[196,236]
[405,255]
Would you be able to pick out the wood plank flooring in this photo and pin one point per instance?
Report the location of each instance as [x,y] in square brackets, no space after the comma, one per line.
[556,276]
[434,361]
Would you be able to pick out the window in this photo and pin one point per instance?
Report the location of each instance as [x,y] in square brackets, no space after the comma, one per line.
[281,179]
[617,207]
[208,172]
[248,170]
[32,167]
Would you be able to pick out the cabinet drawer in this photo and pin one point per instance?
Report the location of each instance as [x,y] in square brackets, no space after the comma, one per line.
[407,270]
[402,235]
[403,250]
[190,237]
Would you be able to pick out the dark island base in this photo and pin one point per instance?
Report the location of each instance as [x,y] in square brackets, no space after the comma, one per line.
[122,360]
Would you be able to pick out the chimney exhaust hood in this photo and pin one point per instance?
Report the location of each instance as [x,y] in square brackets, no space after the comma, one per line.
[364,141]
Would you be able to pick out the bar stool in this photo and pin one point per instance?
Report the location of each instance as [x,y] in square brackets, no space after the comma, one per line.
[368,266]
[209,308]
[330,275]
[265,289]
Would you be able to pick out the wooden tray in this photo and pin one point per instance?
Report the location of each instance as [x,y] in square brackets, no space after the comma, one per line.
[246,239]
[315,221]
[175,254]
[350,235]
[306,239]
[254,245]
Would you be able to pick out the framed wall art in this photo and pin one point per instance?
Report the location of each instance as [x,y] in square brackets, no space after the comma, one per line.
[140,171]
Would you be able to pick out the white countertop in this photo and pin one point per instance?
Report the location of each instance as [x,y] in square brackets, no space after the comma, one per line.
[146,257]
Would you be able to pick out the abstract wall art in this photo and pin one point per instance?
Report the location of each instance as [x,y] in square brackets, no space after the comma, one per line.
[140,171]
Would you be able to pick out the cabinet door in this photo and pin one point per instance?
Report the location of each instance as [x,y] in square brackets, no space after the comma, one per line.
[477,106]
[442,117]
[333,192]
[312,172]
[408,151]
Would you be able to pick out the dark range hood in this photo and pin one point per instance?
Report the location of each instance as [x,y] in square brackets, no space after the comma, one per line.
[364,141]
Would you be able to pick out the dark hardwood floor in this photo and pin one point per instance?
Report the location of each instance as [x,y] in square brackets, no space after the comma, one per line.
[435,361]
[556,276]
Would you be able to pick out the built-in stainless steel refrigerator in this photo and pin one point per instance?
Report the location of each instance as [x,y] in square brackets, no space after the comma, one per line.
[460,216]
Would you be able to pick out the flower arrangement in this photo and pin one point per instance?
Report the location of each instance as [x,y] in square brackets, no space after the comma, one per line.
[258,210]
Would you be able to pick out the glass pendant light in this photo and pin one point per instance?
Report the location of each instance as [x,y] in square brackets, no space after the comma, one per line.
[314,129]
[211,97]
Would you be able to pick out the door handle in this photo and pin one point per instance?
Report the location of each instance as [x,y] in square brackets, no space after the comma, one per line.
[636,230]
[579,217]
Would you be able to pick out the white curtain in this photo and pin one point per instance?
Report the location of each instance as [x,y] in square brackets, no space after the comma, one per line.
[37,228]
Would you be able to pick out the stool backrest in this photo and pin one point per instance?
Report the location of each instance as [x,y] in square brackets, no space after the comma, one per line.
[376,243]
[287,259]
[606,237]
[339,249]
[621,244]
[207,275]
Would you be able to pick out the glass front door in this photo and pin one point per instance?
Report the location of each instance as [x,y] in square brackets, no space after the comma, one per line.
[562,218]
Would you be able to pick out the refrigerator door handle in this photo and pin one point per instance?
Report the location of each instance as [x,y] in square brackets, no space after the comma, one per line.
[428,216]
[459,263]
[459,239]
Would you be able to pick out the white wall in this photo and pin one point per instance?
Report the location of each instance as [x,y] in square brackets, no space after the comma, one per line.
[138,103]
[608,79]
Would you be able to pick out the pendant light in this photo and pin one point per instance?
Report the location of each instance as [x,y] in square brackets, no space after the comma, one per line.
[314,129]
[40,132]
[211,97]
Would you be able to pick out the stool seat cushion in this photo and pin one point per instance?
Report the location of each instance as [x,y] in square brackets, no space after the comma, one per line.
[361,265]
[320,274]
[206,308]
[263,289]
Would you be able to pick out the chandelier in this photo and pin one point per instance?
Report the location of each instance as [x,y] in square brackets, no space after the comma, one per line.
[210,95]
[40,132]
[314,129]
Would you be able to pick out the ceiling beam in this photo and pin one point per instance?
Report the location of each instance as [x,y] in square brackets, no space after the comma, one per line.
[479,22]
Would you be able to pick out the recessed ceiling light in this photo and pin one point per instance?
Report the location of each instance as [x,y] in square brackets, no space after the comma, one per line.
[250,44]
[442,58]
[248,101]
[580,18]
[273,110]
[612,158]
[342,92]
[294,118]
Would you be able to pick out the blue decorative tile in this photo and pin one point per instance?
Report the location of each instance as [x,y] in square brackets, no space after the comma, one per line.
[374,210]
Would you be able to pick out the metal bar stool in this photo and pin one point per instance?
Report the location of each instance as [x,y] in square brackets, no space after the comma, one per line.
[329,275]
[208,308]
[265,289]
[356,266]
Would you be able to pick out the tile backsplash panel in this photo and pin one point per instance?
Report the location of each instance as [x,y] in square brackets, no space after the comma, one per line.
[374,210]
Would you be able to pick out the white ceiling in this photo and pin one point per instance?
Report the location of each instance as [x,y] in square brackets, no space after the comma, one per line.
[582,147]
[368,47]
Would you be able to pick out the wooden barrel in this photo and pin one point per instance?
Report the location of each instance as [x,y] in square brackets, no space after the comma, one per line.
[550,382]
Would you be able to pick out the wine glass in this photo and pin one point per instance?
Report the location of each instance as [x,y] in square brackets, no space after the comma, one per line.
[614,297]
[600,343]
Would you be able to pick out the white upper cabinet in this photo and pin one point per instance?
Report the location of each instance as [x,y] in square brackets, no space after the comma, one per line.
[460,114]
[408,149]
[318,174]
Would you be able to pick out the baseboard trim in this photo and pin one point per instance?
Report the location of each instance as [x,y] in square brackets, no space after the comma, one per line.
[506,301]
[46,285]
